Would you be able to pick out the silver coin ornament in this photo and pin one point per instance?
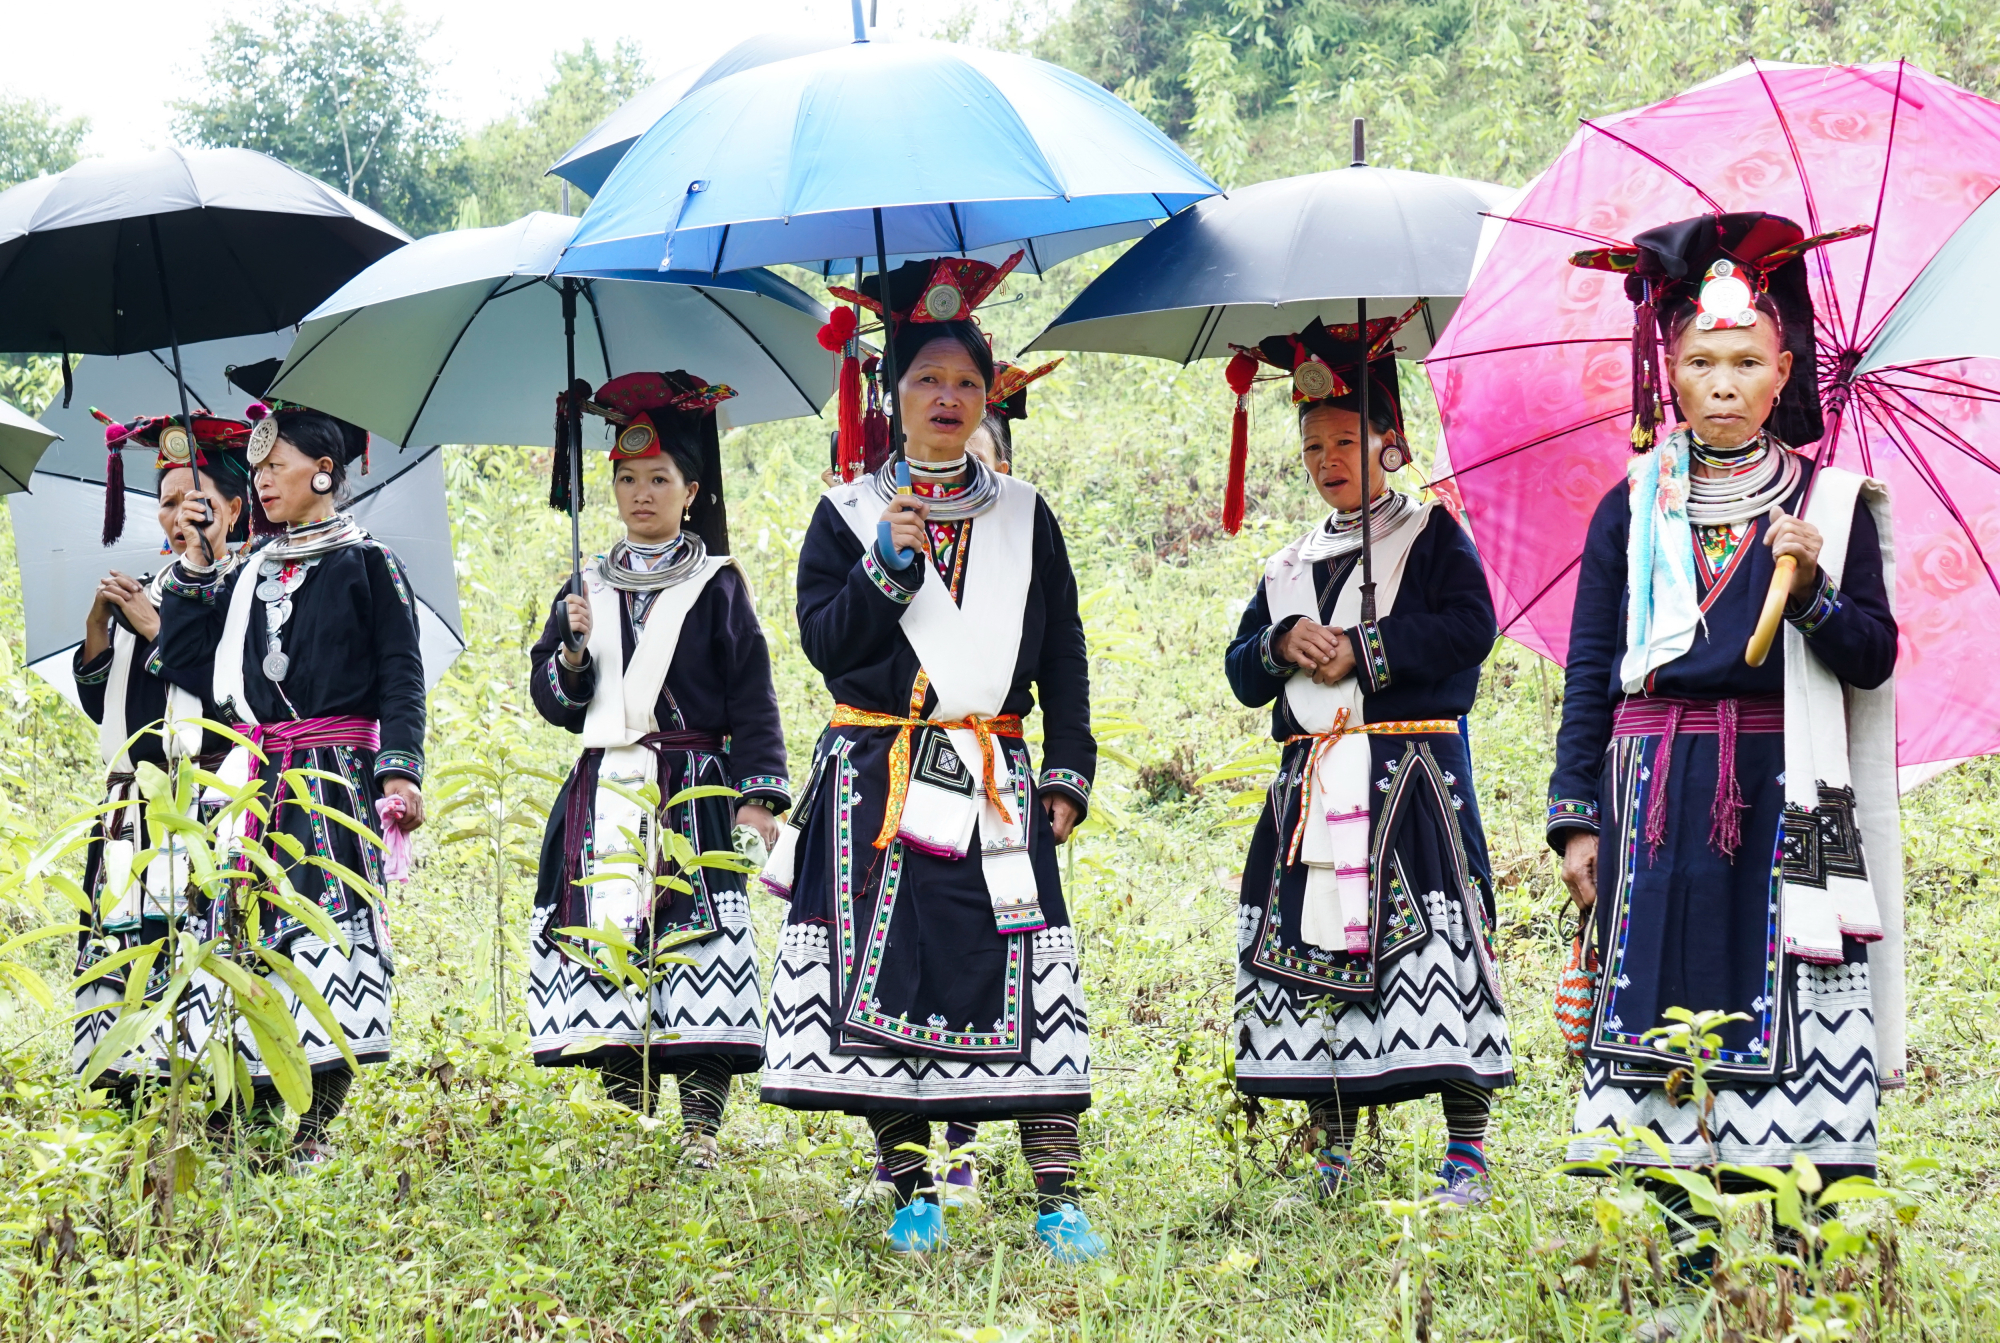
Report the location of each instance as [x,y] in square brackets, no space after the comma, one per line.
[270,590]
[263,437]
[279,613]
[276,664]
[271,567]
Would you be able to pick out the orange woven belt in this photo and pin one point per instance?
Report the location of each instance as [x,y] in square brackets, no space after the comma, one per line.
[1004,725]
[1323,742]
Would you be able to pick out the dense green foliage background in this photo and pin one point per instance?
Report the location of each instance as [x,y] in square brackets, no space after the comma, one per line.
[481,1198]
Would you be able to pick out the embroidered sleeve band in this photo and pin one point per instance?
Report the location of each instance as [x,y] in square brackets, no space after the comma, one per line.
[199,587]
[405,764]
[1817,609]
[1570,813]
[94,672]
[879,576]
[1371,658]
[1266,656]
[1068,779]
[558,674]
[773,790]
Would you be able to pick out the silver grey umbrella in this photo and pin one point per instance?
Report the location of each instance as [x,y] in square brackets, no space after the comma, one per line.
[23,439]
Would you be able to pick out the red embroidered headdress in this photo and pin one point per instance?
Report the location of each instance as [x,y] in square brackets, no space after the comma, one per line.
[206,442]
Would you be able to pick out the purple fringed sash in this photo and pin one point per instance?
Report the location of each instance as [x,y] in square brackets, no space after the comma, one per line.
[1667,718]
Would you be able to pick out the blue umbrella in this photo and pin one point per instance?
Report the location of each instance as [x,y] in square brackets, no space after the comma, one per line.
[591,159]
[805,161]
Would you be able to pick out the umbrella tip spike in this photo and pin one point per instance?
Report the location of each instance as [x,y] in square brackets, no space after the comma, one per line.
[1360,143]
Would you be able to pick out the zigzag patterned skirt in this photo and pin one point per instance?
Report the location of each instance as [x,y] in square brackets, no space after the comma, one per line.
[355,986]
[1424,1007]
[1687,926]
[895,990]
[713,1007]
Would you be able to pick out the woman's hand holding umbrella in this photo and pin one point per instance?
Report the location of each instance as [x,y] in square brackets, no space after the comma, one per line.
[905,517]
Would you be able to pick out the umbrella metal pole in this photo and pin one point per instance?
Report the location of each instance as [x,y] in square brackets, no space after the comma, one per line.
[180,382]
[1367,511]
[573,426]
[892,377]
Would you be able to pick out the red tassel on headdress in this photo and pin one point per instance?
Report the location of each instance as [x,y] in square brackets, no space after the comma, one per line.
[837,336]
[114,495]
[1242,370]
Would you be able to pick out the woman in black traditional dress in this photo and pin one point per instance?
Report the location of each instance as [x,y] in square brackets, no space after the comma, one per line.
[1365,962]
[662,668]
[927,969]
[119,686]
[1750,861]
[311,648]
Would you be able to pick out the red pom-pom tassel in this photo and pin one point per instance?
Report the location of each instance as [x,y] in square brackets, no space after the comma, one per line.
[114,496]
[1240,373]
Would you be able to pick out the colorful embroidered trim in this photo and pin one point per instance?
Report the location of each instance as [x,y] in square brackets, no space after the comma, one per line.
[1824,603]
[1376,656]
[776,785]
[98,677]
[410,763]
[1272,667]
[1322,742]
[879,576]
[205,589]
[1067,778]
[396,575]
[985,729]
[555,673]
[1567,810]
[154,666]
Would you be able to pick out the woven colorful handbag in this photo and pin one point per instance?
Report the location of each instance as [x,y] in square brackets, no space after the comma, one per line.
[1576,992]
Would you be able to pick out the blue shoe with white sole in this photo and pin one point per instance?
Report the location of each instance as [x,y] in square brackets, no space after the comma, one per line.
[918,1228]
[1067,1233]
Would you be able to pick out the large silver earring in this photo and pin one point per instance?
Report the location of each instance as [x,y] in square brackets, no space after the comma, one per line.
[322,482]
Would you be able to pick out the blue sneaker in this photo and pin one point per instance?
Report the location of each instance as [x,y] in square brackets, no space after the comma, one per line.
[1067,1233]
[918,1227]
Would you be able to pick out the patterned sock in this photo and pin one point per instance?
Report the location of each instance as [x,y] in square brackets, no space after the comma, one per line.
[1466,1111]
[909,1171]
[1336,1120]
[329,1096]
[704,1087]
[1053,1148]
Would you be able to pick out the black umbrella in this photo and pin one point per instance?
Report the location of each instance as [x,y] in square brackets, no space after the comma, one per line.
[1273,257]
[123,255]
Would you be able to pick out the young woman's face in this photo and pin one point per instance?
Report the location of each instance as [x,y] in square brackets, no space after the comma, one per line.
[175,486]
[944,400]
[652,496]
[1331,447]
[1727,382]
[284,485]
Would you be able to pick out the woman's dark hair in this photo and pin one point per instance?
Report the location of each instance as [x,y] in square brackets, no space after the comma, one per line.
[911,337]
[1384,414]
[224,475]
[1003,437]
[317,435]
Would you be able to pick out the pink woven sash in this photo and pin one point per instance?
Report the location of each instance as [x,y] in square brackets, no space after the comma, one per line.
[1667,718]
[280,742]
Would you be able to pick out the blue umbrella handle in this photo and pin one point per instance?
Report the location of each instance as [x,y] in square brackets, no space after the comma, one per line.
[885,545]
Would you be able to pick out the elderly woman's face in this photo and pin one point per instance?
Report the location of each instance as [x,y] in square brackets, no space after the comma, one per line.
[1332,450]
[284,483]
[944,400]
[1727,382]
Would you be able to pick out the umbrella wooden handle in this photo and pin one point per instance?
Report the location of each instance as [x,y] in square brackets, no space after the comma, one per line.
[1759,647]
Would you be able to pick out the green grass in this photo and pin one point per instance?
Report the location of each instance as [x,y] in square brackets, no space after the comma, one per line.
[481,1198]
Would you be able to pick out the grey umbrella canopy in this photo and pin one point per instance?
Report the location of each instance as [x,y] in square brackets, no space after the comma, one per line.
[459,338]
[591,159]
[400,499]
[23,439]
[1271,257]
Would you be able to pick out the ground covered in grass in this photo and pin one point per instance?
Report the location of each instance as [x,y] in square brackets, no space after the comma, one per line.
[477,1197]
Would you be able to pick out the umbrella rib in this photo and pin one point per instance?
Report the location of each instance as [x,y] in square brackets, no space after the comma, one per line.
[1659,163]
[1805,187]
[1928,475]
[597,324]
[1564,229]
[1881,195]
[1951,437]
[313,349]
[181,382]
[438,372]
[1969,392]
[1547,588]
[745,328]
[1923,371]
[1531,345]
[1549,437]
[1034,259]
[957,225]
[1201,333]
[407,467]
[20,484]
[271,322]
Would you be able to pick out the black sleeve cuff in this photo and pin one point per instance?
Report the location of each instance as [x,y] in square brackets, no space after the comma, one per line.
[204,588]
[1808,616]
[573,689]
[769,790]
[94,672]
[898,585]
[400,765]
[1070,784]
[1567,814]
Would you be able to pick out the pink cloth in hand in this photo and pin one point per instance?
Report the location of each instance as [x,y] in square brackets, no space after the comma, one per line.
[395,839]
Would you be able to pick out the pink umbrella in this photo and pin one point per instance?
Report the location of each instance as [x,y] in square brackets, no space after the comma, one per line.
[1533,376]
